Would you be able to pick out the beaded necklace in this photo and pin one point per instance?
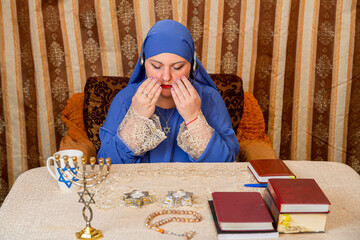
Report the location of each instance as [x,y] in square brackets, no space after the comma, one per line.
[156,226]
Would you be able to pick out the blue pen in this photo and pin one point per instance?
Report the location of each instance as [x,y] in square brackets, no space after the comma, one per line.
[256,185]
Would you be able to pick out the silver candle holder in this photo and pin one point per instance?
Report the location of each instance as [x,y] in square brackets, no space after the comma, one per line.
[86,179]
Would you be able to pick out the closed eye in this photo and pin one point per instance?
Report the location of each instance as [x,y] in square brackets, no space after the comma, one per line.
[156,67]
[178,68]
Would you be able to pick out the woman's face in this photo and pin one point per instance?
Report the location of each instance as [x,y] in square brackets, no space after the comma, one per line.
[167,67]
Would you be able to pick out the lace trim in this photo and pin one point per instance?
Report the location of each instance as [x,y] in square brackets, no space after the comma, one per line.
[140,133]
[193,140]
[158,179]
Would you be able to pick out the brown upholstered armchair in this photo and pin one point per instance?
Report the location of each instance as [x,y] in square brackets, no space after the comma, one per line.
[85,113]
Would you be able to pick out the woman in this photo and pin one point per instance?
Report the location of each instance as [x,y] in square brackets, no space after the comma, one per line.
[161,116]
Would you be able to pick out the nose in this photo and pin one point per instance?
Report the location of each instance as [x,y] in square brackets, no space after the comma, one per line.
[166,75]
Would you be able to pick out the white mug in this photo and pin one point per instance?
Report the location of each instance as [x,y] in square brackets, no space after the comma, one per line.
[64,184]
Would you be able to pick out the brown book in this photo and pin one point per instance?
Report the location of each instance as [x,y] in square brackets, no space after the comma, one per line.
[265,169]
[242,211]
[298,195]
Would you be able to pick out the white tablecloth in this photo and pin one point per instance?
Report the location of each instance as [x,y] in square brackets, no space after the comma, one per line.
[36,209]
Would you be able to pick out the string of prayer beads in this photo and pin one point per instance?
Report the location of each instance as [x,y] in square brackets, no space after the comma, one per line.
[156,226]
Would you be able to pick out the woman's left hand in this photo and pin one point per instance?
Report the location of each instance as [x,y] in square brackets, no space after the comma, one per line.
[186,99]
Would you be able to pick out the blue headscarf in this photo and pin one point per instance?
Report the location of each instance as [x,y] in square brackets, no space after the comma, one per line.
[169,36]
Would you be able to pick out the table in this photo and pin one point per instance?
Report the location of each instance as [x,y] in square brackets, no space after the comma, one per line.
[36,209]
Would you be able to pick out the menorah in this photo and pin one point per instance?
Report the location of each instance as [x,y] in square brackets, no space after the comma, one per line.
[86,180]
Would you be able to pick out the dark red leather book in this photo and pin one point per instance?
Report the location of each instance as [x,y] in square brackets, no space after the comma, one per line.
[295,222]
[298,195]
[265,169]
[242,211]
[235,235]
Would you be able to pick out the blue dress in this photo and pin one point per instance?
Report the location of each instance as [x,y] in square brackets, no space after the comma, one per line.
[222,147]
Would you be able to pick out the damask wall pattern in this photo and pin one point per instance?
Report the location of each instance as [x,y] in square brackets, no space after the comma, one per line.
[195,19]
[300,58]
[56,81]
[90,38]
[323,80]
[128,38]
[288,82]
[31,159]
[353,134]
[4,182]
[264,70]
[230,37]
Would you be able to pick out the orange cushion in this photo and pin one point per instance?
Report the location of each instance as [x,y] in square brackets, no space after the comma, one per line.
[72,116]
[252,125]
[76,137]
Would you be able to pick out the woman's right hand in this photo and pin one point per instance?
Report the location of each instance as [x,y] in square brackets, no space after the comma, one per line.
[146,96]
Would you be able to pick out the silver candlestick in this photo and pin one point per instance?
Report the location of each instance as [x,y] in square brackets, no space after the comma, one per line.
[86,179]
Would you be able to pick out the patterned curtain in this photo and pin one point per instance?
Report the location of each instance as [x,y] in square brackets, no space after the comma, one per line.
[300,58]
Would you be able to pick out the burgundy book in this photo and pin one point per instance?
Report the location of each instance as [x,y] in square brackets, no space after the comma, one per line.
[265,169]
[235,235]
[298,195]
[242,211]
[295,222]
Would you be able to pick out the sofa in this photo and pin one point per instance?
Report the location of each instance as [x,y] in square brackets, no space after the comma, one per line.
[85,113]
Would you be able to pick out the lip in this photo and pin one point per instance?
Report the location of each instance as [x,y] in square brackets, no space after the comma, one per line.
[166,86]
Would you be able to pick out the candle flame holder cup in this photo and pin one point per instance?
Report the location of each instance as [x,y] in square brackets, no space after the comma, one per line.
[87,178]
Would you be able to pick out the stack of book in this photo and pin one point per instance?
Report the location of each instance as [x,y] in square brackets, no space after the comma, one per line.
[241,215]
[265,169]
[297,205]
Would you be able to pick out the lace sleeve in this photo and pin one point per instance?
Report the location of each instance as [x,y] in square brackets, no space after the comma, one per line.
[194,138]
[140,133]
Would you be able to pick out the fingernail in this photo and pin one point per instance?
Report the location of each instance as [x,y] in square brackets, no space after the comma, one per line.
[151,77]
[155,78]
[158,83]
[182,77]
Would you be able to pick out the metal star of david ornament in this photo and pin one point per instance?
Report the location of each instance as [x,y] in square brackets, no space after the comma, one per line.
[84,194]
[178,198]
[137,198]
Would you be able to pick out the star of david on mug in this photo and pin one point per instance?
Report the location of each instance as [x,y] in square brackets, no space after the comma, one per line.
[63,182]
